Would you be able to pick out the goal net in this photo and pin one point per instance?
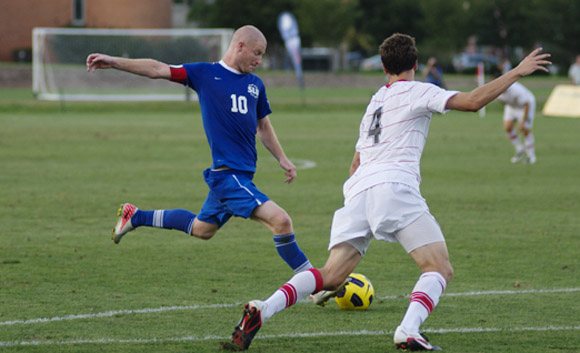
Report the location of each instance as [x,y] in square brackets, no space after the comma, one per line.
[59,61]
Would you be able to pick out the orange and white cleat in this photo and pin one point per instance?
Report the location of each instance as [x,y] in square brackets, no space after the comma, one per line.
[124,225]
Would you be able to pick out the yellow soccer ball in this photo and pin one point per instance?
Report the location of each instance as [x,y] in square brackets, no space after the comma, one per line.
[358,293]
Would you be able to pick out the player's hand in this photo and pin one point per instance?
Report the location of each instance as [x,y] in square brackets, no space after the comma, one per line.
[99,61]
[290,170]
[533,62]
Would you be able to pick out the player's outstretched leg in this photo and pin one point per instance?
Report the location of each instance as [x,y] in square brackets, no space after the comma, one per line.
[412,341]
[247,328]
[130,217]
[124,225]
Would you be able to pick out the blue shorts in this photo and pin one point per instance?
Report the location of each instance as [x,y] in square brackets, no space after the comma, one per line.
[231,193]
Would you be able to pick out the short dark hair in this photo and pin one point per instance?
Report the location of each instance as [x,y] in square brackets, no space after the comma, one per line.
[398,53]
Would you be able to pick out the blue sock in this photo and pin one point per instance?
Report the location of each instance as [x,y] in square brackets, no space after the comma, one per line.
[167,219]
[291,253]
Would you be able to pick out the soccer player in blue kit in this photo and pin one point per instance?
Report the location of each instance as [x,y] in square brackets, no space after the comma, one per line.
[234,108]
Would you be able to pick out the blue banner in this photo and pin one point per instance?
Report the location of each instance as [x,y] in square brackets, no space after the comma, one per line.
[289,29]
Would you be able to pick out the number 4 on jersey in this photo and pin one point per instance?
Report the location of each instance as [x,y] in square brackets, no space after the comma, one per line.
[375,129]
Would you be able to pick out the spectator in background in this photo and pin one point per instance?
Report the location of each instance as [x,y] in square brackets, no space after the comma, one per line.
[574,72]
[434,73]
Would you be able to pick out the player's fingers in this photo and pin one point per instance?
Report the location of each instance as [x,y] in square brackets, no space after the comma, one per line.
[544,62]
[543,56]
[535,51]
[89,62]
[290,175]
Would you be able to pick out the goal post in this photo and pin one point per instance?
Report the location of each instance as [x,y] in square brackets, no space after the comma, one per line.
[59,61]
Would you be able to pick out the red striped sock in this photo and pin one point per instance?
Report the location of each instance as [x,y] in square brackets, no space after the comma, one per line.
[299,286]
[424,298]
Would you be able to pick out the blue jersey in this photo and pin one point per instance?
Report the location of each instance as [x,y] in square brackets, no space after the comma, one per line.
[231,105]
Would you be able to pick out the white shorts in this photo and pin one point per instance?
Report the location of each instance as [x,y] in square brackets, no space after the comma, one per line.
[510,113]
[389,212]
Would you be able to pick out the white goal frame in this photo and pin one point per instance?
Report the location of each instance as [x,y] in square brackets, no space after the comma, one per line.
[46,86]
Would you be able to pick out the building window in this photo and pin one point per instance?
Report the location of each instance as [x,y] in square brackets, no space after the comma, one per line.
[78,13]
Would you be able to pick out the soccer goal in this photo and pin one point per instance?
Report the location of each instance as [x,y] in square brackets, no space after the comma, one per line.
[59,61]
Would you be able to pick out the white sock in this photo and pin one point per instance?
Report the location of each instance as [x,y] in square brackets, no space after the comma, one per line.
[299,286]
[424,298]
[529,141]
[515,140]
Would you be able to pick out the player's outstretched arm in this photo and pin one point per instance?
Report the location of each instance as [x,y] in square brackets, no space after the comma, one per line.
[269,139]
[481,96]
[144,67]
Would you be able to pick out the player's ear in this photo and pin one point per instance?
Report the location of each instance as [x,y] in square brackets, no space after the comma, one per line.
[416,66]
[385,69]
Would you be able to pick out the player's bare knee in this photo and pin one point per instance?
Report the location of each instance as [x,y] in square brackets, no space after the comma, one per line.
[282,223]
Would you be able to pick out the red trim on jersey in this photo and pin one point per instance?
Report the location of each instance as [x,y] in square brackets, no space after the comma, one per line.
[317,279]
[390,84]
[178,74]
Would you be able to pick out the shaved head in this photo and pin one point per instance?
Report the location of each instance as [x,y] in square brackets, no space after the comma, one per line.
[247,34]
[246,49]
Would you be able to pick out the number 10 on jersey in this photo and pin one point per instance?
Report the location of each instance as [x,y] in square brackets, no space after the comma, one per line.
[239,104]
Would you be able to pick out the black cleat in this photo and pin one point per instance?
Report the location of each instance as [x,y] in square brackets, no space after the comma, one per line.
[247,328]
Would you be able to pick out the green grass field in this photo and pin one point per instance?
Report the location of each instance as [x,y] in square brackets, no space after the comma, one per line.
[512,231]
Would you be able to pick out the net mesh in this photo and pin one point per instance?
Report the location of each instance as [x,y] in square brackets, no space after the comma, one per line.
[59,56]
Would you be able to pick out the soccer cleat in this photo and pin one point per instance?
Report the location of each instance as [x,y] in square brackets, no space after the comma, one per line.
[518,156]
[124,225]
[412,341]
[322,297]
[247,328]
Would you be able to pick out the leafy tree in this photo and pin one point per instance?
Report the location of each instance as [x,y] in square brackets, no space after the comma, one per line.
[236,13]
[380,18]
[442,27]
[325,22]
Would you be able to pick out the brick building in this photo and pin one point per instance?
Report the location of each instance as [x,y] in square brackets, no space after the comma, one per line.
[19,17]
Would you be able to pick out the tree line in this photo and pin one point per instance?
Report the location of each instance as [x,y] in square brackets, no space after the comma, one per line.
[441,27]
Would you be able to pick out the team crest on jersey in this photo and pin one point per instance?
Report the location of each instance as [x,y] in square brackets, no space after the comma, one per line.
[253,90]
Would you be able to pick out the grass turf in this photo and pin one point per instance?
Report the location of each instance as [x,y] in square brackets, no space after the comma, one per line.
[512,231]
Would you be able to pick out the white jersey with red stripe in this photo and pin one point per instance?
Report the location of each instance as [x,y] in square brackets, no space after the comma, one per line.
[393,133]
[517,95]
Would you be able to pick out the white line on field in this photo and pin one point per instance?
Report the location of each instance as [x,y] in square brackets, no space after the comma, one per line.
[289,335]
[494,292]
[218,306]
[303,163]
[117,312]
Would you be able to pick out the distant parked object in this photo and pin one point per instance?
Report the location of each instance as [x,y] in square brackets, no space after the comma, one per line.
[372,64]
[465,62]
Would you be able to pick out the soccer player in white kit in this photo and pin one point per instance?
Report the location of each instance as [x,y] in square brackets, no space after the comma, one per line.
[520,107]
[382,197]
